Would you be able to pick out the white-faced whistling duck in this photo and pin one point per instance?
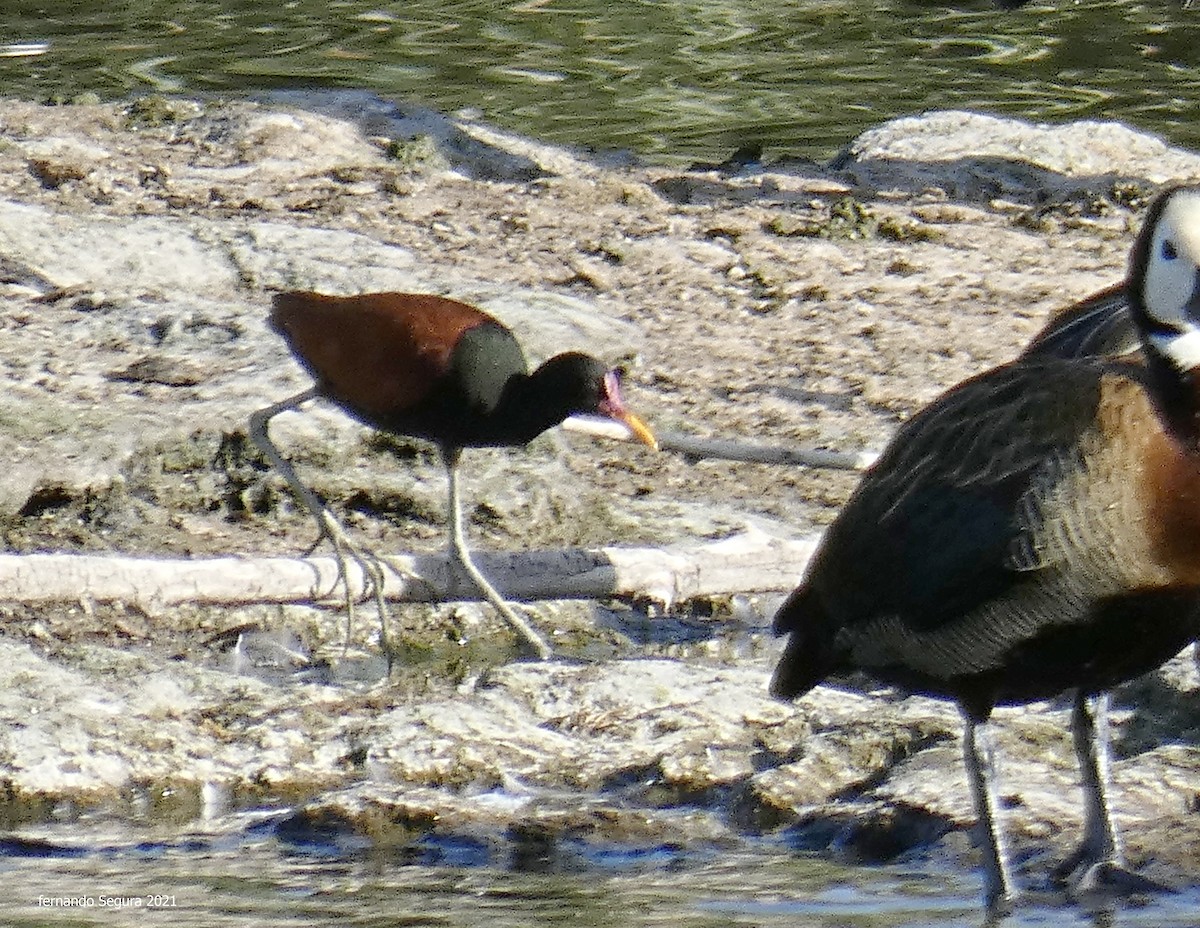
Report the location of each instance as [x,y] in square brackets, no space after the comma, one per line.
[1034,530]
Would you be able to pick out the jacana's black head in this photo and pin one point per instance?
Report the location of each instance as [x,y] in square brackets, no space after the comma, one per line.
[572,383]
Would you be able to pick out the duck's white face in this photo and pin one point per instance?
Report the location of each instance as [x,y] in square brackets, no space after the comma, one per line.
[1171,285]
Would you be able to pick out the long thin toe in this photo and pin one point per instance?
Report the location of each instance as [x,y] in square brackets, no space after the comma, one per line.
[531,643]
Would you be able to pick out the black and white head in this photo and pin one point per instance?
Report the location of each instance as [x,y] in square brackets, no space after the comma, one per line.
[1164,278]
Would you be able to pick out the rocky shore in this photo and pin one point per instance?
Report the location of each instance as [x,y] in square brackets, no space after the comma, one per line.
[791,304]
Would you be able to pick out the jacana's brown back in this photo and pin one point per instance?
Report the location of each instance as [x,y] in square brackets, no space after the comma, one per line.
[377,354]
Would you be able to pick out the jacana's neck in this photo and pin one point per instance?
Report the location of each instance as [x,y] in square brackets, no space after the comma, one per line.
[534,402]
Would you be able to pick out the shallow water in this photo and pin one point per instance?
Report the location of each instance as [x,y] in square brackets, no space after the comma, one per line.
[692,79]
[251,878]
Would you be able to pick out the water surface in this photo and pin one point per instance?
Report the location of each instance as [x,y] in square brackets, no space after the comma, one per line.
[692,79]
[246,880]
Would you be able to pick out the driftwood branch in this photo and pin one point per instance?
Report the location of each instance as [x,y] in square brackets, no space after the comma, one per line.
[694,447]
[725,449]
[749,562]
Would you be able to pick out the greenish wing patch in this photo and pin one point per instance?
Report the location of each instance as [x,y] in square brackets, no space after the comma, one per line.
[484,360]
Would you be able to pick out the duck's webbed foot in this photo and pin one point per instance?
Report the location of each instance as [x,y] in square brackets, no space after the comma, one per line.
[1084,874]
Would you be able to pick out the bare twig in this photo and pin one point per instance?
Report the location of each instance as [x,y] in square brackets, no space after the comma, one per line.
[729,450]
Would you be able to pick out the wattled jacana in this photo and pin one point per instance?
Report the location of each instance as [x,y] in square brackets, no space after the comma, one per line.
[1036,529]
[433,368]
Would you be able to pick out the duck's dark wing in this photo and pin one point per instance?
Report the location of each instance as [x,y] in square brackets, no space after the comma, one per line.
[1098,326]
[938,526]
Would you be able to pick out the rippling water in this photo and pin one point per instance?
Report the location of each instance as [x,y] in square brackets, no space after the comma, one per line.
[245,881]
[685,78]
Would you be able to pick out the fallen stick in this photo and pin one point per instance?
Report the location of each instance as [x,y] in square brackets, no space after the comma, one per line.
[749,562]
[765,454]
[727,449]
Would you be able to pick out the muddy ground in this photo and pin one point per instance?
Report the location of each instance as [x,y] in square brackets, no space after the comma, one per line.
[791,304]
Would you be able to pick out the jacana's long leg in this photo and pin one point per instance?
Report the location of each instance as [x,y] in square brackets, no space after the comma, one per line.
[1099,859]
[999,894]
[327,525]
[459,552]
